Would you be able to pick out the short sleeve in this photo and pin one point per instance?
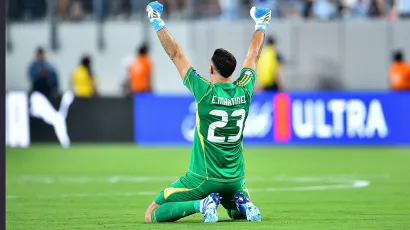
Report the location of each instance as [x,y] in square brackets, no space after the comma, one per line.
[247,80]
[198,85]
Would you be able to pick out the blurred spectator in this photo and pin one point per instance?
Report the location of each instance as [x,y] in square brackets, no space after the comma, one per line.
[43,75]
[83,79]
[376,8]
[62,8]
[270,68]
[403,8]
[324,9]
[208,8]
[399,72]
[289,8]
[101,8]
[307,10]
[360,9]
[140,71]
[229,9]
[177,9]
[391,10]
[120,9]
[126,63]
[138,7]
[76,11]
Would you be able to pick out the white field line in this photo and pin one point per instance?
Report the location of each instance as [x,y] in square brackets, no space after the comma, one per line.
[82,195]
[33,179]
[341,184]
[88,180]
[355,184]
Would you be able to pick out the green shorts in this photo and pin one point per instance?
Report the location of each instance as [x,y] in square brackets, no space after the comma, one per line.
[190,187]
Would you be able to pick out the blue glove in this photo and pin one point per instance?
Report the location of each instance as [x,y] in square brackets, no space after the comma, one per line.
[261,16]
[154,10]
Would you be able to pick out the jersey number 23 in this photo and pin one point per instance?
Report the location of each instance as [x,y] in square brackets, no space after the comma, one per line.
[223,122]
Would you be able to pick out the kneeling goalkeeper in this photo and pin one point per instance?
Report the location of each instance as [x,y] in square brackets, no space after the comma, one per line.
[217,166]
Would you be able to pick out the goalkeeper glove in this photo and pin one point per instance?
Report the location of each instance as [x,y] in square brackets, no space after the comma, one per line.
[261,16]
[154,10]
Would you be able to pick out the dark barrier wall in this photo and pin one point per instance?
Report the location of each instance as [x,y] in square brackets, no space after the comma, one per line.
[90,120]
[298,118]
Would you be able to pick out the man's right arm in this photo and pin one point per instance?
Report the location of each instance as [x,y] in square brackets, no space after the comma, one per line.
[247,78]
[171,47]
[195,83]
[254,50]
[261,16]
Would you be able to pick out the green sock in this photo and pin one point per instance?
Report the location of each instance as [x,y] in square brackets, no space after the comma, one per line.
[174,211]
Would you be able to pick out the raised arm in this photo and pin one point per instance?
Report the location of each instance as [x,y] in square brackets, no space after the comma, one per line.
[171,47]
[261,17]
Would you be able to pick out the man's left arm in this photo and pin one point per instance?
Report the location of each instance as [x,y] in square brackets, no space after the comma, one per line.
[171,47]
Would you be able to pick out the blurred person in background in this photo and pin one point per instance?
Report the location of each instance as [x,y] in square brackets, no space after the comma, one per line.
[403,8]
[177,8]
[270,68]
[138,7]
[229,9]
[391,10]
[101,8]
[83,80]
[120,9]
[324,9]
[208,8]
[76,11]
[289,9]
[360,8]
[126,63]
[307,9]
[140,71]
[377,8]
[399,72]
[43,76]
[62,8]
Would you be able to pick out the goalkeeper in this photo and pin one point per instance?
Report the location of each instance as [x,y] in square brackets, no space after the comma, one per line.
[217,167]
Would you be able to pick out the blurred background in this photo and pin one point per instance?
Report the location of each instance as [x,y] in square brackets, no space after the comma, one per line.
[104,54]
[77,54]
[324,44]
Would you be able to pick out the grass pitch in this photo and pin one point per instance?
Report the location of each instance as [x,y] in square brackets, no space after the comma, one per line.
[110,186]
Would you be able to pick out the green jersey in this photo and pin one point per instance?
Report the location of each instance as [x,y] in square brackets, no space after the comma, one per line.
[222,109]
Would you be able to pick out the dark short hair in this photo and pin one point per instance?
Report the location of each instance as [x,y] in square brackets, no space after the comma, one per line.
[224,62]
[86,60]
[39,50]
[143,49]
[271,40]
[398,56]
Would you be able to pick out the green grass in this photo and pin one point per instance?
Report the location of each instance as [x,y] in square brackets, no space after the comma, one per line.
[53,188]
